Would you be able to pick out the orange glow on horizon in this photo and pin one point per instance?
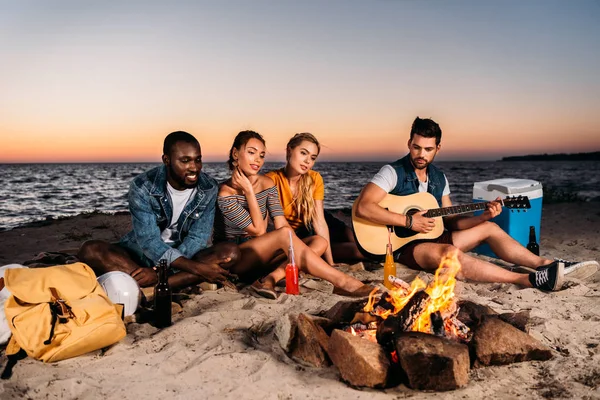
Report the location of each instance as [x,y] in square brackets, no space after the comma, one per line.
[82,141]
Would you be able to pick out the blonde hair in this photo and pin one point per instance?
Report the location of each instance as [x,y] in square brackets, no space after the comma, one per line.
[305,204]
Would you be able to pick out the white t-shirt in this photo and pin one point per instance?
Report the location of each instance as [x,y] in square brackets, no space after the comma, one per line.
[179,198]
[387,178]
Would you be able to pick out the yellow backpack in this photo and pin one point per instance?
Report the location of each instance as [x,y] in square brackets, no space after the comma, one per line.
[58,312]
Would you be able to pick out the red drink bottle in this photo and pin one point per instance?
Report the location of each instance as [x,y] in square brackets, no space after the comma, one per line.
[291,272]
[291,279]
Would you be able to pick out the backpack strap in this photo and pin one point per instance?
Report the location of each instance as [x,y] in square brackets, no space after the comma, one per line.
[60,310]
[14,353]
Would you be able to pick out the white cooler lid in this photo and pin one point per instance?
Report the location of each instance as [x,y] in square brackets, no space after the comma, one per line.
[507,186]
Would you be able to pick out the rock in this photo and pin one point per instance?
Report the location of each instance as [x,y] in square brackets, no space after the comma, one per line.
[360,361]
[496,342]
[520,320]
[285,330]
[343,312]
[356,267]
[311,343]
[207,286]
[176,308]
[471,314]
[148,293]
[431,362]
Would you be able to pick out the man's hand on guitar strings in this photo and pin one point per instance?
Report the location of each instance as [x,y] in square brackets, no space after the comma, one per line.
[421,223]
[494,208]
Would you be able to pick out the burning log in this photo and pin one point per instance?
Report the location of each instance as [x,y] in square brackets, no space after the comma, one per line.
[384,303]
[437,324]
[399,283]
[457,329]
[401,322]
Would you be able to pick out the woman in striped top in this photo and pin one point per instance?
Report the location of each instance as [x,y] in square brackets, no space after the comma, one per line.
[241,217]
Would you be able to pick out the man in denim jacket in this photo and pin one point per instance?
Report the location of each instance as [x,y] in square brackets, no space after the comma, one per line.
[172,210]
[414,173]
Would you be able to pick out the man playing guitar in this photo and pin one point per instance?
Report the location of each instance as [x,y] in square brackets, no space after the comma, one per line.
[414,173]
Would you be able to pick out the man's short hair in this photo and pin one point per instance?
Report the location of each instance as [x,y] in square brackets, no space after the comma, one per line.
[427,128]
[174,137]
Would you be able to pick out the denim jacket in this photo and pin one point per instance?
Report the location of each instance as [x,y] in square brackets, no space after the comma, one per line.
[151,212]
[408,183]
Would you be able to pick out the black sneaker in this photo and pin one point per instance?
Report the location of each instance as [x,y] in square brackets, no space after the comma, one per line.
[579,269]
[549,277]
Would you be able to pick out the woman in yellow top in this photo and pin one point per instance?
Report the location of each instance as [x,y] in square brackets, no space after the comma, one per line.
[301,193]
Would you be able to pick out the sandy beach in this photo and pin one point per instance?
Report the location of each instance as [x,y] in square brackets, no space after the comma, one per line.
[222,343]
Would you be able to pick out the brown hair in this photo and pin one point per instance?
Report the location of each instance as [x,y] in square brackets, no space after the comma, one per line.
[305,204]
[240,140]
[427,128]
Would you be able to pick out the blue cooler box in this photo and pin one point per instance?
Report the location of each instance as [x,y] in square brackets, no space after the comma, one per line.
[514,222]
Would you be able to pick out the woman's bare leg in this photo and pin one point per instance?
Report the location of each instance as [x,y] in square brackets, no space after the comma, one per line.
[262,249]
[316,243]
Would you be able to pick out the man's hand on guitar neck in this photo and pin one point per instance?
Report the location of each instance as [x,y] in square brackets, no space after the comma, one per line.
[422,224]
[459,223]
[494,208]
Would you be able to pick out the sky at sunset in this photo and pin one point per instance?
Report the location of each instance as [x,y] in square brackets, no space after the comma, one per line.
[95,81]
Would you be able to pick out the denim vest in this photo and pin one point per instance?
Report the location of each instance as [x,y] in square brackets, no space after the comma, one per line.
[151,212]
[408,183]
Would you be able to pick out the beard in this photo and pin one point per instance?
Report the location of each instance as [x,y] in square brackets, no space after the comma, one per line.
[420,166]
[180,179]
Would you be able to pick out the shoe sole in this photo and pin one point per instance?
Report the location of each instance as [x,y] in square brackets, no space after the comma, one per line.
[560,278]
[583,270]
[265,293]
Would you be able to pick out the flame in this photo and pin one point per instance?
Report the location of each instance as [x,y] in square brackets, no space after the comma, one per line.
[352,331]
[394,355]
[441,298]
[440,291]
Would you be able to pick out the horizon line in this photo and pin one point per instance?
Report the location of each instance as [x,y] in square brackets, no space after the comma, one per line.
[224,162]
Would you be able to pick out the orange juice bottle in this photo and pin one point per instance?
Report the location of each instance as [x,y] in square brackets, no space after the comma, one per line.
[389,267]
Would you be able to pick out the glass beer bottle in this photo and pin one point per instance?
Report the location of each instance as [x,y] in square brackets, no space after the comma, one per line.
[162,298]
[389,268]
[532,246]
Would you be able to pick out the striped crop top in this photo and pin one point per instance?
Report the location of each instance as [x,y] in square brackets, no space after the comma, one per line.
[232,215]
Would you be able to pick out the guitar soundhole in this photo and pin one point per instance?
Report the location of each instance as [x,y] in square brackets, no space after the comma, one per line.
[403,232]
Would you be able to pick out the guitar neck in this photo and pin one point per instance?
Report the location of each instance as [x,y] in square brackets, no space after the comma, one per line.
[455,210]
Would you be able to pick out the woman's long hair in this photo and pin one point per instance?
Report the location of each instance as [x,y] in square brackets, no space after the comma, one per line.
[240,140]
[305,204]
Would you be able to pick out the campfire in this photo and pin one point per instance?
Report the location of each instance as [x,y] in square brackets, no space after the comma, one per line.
[419,334]
[420,307]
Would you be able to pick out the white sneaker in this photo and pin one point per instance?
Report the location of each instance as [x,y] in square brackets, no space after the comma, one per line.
[580,270]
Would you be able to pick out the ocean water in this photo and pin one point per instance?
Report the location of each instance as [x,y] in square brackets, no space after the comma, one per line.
[33,192]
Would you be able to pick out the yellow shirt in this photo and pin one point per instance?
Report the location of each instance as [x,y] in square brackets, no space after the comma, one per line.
[290,210]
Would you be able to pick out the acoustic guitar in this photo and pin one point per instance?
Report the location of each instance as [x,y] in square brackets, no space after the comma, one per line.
[372,238]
